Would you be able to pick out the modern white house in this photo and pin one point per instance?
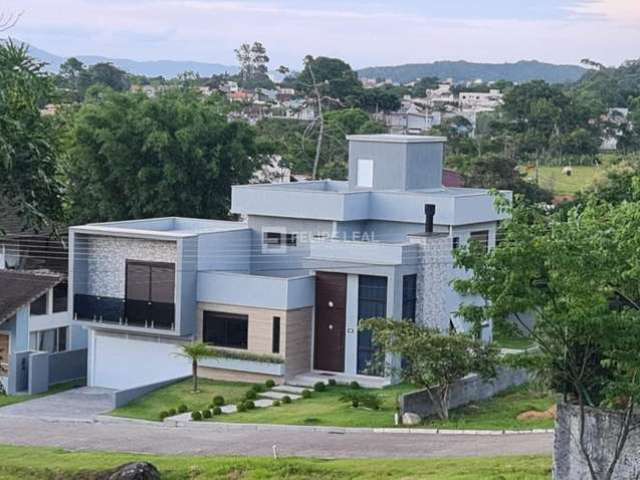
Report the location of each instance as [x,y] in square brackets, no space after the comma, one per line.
[281,293]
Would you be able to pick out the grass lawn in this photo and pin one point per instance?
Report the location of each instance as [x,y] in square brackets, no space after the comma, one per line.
[499,413]
[150,406]
[551,178]
[13,399]
[325,408]
[28,463]
[512,341]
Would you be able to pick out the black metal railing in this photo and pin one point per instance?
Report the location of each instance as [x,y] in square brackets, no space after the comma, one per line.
[126,312]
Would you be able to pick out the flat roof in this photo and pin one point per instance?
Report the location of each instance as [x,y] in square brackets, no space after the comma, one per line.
[391,138]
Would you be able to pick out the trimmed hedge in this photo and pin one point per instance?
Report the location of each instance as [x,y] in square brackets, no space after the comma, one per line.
[320,387]
[218,401]
[196,416]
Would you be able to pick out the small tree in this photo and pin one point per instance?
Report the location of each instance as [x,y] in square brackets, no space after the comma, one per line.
[432,360]
[195,352]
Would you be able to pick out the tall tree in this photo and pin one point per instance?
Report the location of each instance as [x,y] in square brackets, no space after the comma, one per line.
[28,144]
[131,156]
[253,60]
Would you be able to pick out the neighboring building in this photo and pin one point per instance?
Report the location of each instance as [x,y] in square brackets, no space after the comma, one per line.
[33,318]
[283,292]
[479,101]
[442,96]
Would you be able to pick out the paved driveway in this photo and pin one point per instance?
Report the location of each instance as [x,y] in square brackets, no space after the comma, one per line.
[78,404]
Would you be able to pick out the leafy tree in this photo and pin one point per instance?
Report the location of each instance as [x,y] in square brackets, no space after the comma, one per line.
[130,156]
[421,86]
[196,352]
[578,272]
[433,360]
[108,75]
[379,99]
[28,145]
[334,77]
[253,61]
[619,183]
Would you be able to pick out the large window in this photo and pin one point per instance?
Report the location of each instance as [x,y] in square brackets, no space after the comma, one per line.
[409,295]
[225,329]
[481,237]
[53,340]
[60,298]
[372,303]
[150,293]
[39,305]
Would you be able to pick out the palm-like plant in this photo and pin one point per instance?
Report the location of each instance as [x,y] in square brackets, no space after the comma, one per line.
[195,352]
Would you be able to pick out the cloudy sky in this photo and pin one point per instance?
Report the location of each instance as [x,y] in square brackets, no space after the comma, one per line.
[363,32]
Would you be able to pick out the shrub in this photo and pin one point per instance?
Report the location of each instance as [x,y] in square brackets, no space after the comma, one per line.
[332,382]
[183,408]
[206,413]
[355,403]
[249,405]
[172,412]
[286,399]
[366,399]
[306,394]
[164,414]
[270,383]
[276,403]
[319,387]
[251,395]
[355,385]
[257,388]
[240,407]
[211,405]
[218,400]
[217,411]
[196,416]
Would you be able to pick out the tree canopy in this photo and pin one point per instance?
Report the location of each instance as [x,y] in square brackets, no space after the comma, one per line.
[130,156]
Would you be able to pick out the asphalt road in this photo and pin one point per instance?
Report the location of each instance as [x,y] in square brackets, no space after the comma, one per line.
[202,440]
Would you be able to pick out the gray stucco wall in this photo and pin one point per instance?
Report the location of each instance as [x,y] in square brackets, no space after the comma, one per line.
[38,373]
[126,396]
[424,165]
[67,366]
[186,285]
[601,431]
[470,389]
[106,258]
[18,372]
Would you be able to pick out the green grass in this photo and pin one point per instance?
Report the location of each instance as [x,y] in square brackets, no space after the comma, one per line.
[29,463]
[517,342]
[552,178]
[6,400]
[150,406]
[499,413]
[325,408]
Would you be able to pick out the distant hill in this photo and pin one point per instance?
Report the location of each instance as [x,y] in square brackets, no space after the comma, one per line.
[166,68]
[462,71]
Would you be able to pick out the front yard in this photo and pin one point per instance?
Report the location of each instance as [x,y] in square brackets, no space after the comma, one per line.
[28,463]
[6,400]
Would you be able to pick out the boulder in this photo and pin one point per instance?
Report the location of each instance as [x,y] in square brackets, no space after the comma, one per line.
[135,471]
[409,418]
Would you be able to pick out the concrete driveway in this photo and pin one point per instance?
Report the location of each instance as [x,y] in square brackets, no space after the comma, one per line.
[79,405]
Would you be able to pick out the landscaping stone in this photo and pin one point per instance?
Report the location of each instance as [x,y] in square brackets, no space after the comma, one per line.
[279,395]
[263,403]
[409,418]
[288,389]
[135,471]
[228,409]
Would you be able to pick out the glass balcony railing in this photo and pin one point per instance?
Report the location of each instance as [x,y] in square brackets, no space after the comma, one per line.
[125,312]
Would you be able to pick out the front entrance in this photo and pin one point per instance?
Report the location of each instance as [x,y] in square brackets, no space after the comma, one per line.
[330,322]
[4,355]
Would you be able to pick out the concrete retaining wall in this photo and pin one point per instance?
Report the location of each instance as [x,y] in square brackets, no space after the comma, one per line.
[123,397]
[601,432]
[67,366]
[470,389]
[38,373]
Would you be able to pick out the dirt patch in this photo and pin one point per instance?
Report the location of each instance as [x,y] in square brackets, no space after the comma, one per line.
[530,415]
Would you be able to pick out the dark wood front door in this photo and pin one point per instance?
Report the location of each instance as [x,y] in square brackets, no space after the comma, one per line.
[330,322]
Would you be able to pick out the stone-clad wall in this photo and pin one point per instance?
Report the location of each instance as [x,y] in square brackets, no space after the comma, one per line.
[601,432]
[106,258]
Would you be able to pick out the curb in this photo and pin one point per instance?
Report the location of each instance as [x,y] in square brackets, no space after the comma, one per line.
[222,426]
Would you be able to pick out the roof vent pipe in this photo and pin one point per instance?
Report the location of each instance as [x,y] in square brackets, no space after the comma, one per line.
[429,213]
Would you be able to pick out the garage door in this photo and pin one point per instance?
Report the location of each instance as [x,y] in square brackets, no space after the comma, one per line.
[120,362]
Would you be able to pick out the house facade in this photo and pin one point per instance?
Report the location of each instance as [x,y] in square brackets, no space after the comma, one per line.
[280,293]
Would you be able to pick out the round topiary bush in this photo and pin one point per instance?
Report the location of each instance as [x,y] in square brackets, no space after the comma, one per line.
[286,399]
[355,403]
[251,395]
[196,416]
[306,394]
[218,400]
[172,412]
[183,408]
[249,404]
[355,385]
[163,414]
[206,413]
[276,403]
[217,411]
[319,387]
[332,382]
[257,388]
[241,408]
[270,383]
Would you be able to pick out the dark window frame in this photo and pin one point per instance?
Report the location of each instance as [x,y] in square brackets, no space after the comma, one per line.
[481,237]
[39,305]
[148,312]
[370,298]
[275,335]
[409,296]
[60,303]
[455,243]
[291,239]
[224,320]
[272,239]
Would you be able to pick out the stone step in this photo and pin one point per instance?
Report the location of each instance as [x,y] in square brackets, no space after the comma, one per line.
[263,403]
[288,389]
[279,395]
[228,409]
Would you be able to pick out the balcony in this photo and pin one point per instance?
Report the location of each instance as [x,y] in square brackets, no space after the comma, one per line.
[124,312]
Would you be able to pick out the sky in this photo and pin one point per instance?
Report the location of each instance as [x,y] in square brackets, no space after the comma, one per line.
[364,33]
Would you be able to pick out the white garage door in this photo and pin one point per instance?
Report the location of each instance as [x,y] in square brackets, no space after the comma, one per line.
[121,362]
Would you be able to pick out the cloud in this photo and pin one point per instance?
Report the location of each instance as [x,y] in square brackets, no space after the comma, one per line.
[625,12]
